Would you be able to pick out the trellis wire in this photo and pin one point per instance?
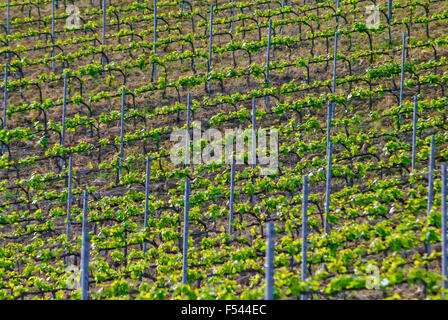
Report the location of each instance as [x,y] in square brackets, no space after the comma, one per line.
[210,43]
[268,58]
[269,273]
[430,185]
[64,111]
[123,101]
[154,65]
[303,296]
[69,201]
[148,176]
[103,60]
[185,238]
[53,35]
[444,230]
[414,133]
[85,251]
[5,103]
[403,57]
[232,194]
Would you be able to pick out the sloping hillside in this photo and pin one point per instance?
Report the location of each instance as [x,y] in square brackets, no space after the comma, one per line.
[377,234]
